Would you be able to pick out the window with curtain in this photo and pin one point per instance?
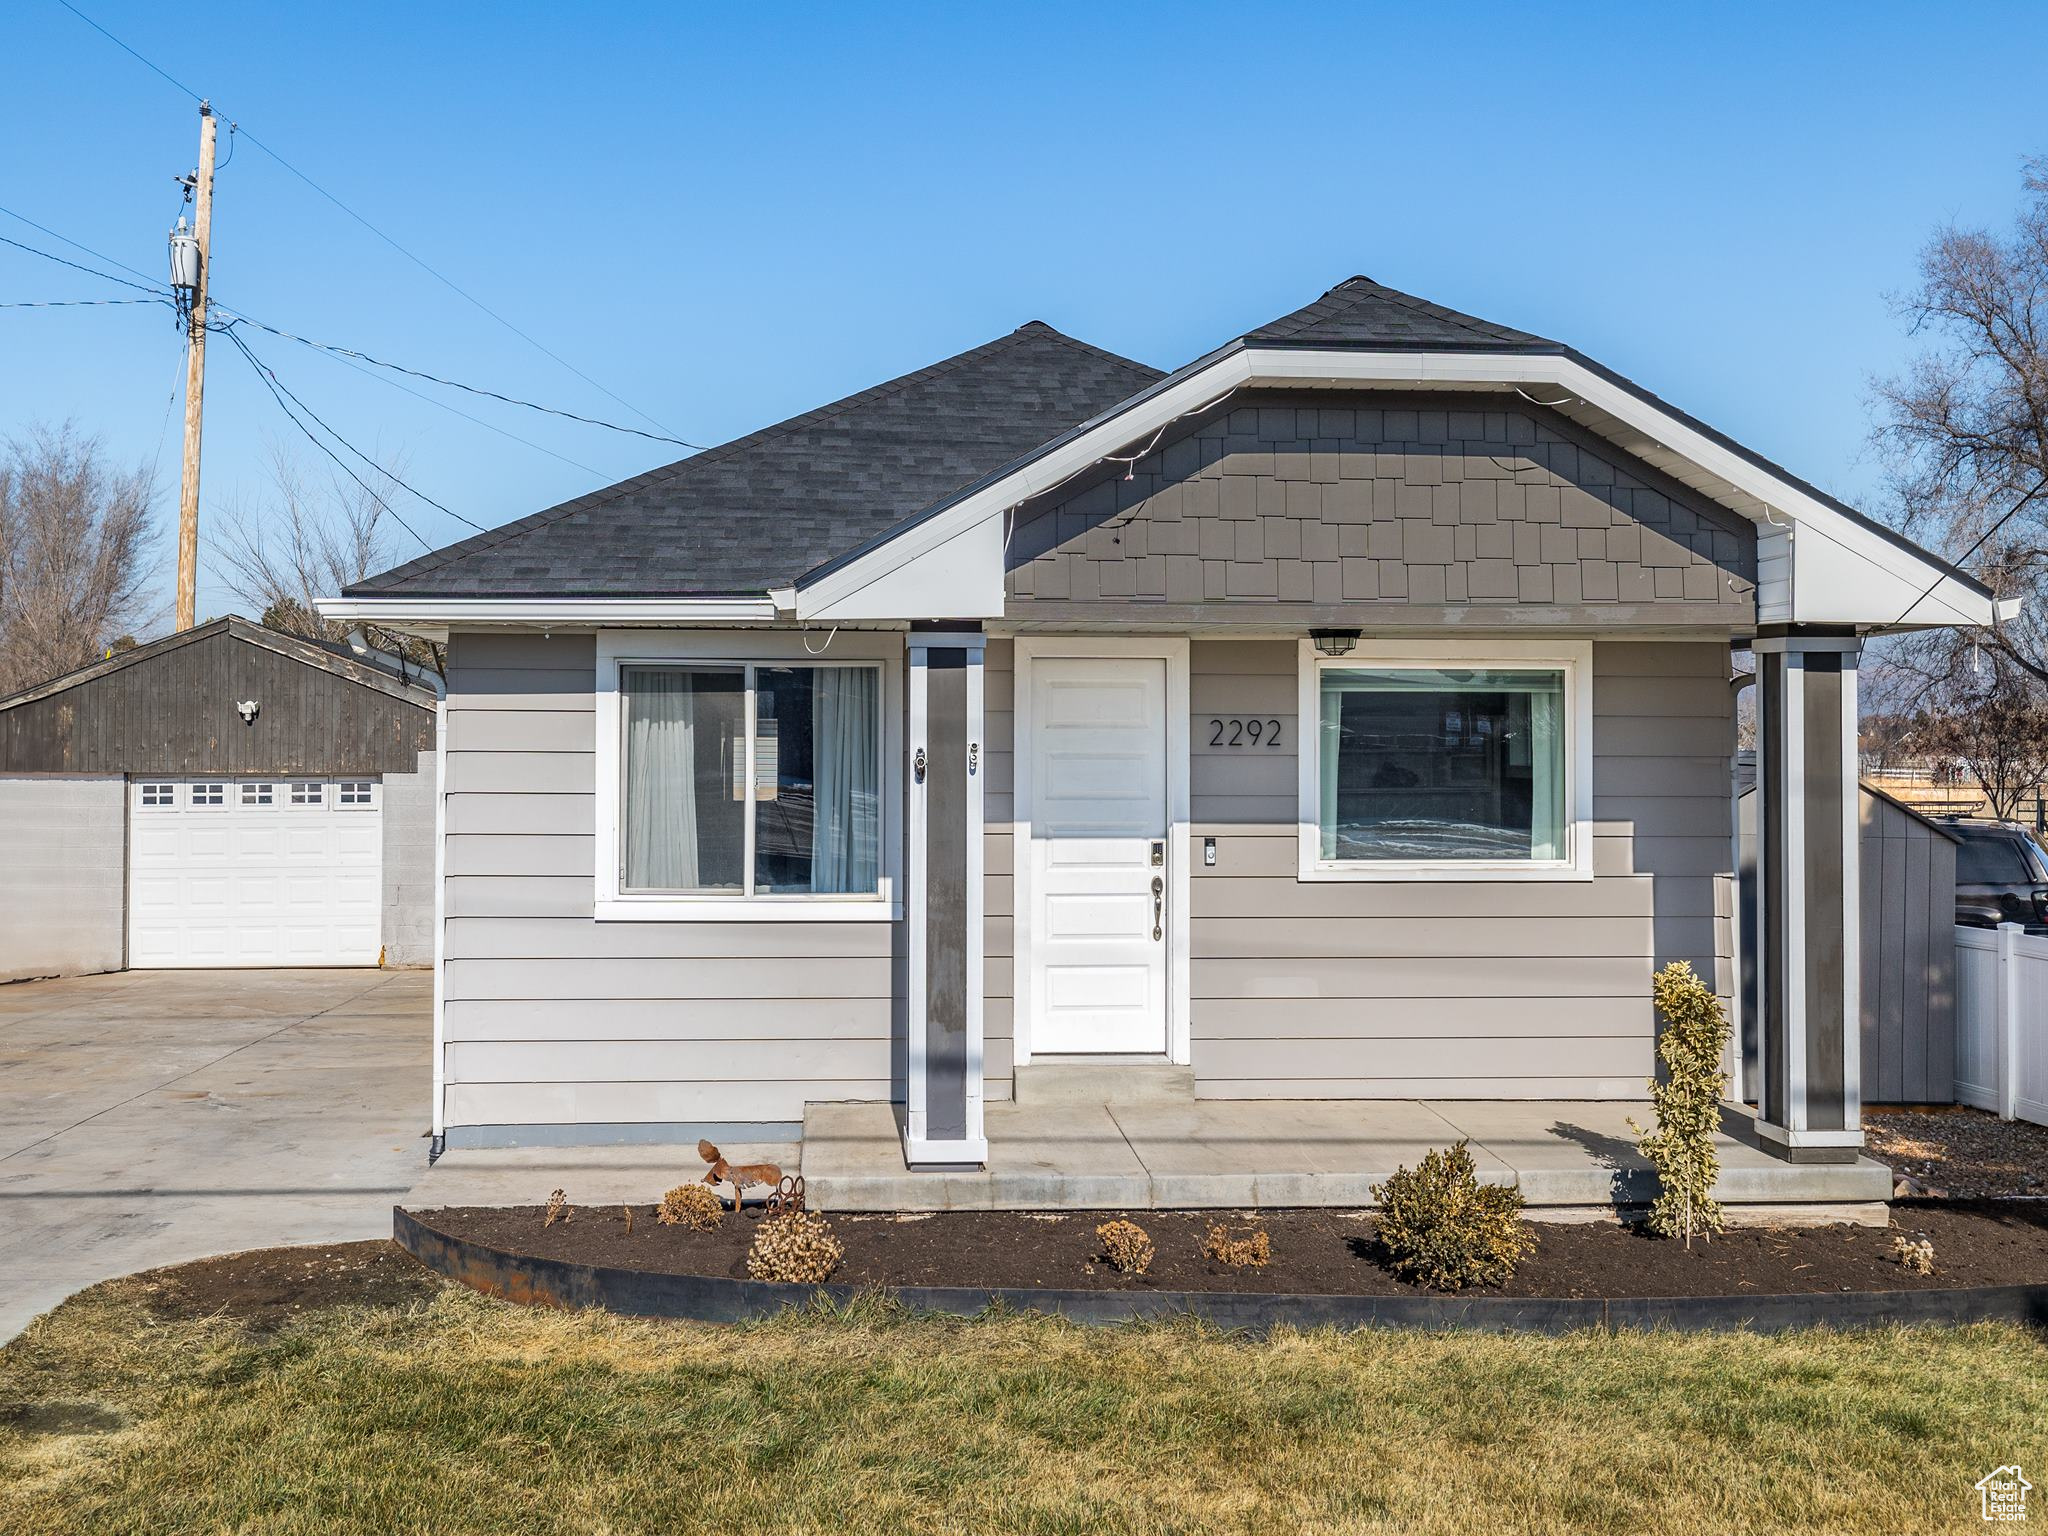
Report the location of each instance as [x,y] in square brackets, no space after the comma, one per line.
[1447,763]
[806,821]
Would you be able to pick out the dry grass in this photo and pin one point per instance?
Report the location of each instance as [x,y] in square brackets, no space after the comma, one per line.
[464,1415]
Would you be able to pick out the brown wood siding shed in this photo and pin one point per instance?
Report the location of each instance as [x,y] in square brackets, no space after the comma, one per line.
[171,708]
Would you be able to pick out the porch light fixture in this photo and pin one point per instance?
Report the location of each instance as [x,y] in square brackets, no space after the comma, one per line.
[1334,642]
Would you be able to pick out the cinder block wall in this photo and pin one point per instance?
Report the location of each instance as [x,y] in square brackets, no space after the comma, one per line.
[409,865]
[63,906]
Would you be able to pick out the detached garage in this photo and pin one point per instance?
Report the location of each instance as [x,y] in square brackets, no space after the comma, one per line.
[229,796]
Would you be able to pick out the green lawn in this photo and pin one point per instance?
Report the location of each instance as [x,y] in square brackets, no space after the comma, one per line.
[456,1414]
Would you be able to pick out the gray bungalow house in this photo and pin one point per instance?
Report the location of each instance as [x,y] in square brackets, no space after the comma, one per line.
[1343,715]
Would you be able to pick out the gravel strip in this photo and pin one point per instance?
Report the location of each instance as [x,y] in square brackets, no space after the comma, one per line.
[1964,1153]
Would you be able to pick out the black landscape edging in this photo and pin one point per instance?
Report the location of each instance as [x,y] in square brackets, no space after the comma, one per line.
[537,1281]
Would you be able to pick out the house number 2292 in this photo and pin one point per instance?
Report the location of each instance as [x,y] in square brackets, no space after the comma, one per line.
[1243,731]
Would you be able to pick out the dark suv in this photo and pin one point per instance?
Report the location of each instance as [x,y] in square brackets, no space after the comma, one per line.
[2001,875]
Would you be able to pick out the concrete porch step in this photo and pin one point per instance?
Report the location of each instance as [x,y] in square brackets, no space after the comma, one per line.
[1569,1159]
[1103,1080]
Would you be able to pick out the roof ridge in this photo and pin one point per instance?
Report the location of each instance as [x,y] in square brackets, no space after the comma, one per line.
[1358,291]
[300,648]
[1131,364]
[1416,303]
[477,544]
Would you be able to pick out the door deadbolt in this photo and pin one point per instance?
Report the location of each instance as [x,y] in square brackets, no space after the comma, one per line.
[1158,856]
[917,765]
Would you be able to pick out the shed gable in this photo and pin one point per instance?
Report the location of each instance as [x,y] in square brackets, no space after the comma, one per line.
[1312,500]
[172,707]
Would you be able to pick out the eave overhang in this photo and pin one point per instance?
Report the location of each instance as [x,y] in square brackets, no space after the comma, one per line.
[1820,561]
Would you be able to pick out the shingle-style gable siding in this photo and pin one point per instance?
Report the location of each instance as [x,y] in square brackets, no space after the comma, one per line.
[1414,503]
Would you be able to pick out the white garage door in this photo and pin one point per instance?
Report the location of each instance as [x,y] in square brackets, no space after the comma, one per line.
[248,872]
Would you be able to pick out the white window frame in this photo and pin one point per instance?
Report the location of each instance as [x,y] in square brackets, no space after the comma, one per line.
[618,649]
[353,807]
[1573,658]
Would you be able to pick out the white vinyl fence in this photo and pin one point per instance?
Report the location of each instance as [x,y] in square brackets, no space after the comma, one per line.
[2002,1022]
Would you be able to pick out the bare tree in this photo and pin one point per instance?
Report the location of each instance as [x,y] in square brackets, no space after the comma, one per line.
[305,539]
[1963,435]
[1991,718]
[74,554]
[1964,430]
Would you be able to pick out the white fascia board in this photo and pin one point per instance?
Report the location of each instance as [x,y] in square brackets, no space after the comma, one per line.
[550,611]
[1843,572]
[959,577]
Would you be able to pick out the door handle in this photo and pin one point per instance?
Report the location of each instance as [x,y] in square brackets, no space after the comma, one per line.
[1158,906]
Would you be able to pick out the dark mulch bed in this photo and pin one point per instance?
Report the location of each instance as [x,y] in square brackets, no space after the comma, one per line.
[267,1286]
[1314,1252]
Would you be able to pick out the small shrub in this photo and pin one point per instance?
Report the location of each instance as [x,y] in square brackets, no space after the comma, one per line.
[695,1206]
[797,1247]
[1444,1228]
[559,1209]
[1239,1247]
[1126,1246]
[1916,1256]
[1687,1101]
[629,1219]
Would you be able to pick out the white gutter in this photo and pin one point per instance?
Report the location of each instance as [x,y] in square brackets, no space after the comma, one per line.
[546,611]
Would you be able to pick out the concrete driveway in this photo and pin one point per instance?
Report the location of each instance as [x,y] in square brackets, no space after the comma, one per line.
[150,1117]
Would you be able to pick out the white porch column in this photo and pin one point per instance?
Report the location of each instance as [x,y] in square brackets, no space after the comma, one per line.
[943,906]
[1809,1011]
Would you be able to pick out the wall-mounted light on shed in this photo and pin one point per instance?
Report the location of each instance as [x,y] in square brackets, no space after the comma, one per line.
[247,709]
[1334,642]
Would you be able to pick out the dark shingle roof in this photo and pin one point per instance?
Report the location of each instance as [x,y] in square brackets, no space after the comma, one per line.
[808,495]
[763,509]
[1359,312]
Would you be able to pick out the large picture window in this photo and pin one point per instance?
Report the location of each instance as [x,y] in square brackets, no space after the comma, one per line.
[1451,765]
[747,780]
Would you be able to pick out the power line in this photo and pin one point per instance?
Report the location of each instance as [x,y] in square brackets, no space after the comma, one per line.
[344,353]
[78,266]
[270,376]
[1984,538]
[73,303]
[488,426]
[417,261]
[474,389]
[103,32]
[78,246]
[270,384]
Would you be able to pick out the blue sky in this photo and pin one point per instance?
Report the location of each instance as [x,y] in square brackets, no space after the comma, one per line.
[728,216]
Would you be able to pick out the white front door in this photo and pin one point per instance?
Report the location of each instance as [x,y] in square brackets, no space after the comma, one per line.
[254,872]
[1098,883]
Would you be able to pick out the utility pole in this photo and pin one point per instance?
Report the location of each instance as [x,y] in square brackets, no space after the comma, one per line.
[195,376]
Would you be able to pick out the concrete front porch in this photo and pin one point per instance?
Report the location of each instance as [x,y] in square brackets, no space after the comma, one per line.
[1568,1158]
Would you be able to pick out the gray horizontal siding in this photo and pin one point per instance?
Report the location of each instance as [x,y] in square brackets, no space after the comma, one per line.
[640,1101]
[554,1018]
[1458,988]
[1448,988]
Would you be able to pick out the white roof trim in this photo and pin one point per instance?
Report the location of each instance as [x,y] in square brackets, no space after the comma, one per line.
[1840,572]
[546,610]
